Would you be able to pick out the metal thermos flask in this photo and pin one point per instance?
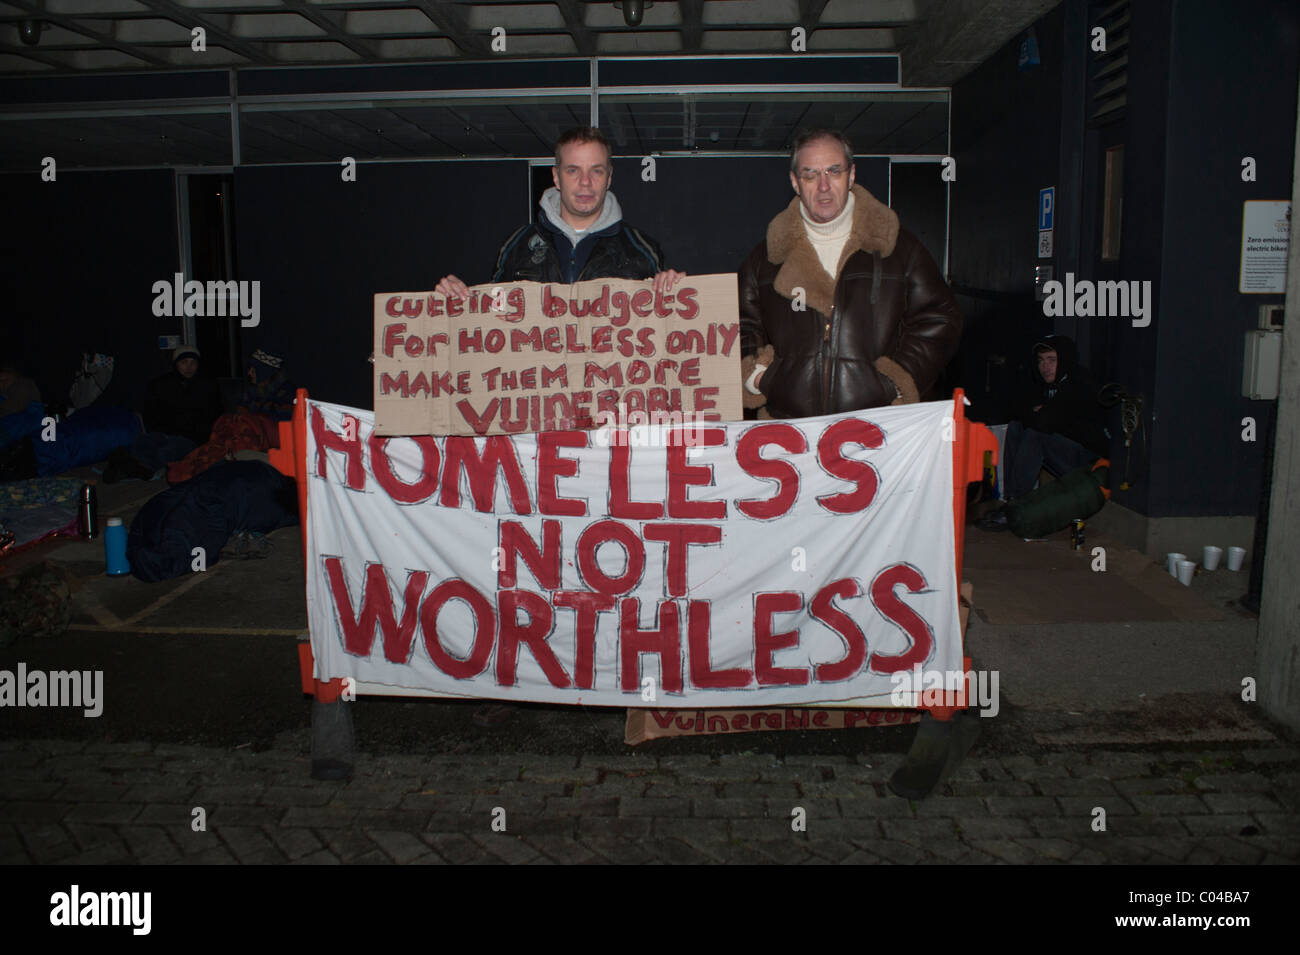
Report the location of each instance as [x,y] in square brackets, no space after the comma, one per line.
[88,513]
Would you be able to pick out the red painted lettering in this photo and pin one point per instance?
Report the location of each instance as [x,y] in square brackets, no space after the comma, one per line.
[903,616]
[327,440]
[544,561]
[703,676]
[663,640]
[376,608]
[824,610]
[461,453]
[401,492]
[589,542]
[620,503]
[678,537]
[682,475]
[533,635]
[766,642]
[587,606]
[687,307]
[830,455]
[484,629]
[551,467]
[750,458]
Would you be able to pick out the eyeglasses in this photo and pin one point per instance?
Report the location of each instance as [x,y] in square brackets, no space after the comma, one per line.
[815,175]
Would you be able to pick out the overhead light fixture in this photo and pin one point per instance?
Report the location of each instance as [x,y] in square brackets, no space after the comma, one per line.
[29,31]
[633,11]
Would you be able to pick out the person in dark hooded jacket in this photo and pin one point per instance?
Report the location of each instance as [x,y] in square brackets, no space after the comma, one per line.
[179,410]
[183,402]
[1060,427]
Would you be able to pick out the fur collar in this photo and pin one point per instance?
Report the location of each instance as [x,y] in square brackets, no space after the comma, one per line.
[875,229]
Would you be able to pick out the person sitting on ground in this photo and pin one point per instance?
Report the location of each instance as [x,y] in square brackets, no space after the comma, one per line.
[267,400]
[1060,428]
[180,407]
[20,414]
[16,390]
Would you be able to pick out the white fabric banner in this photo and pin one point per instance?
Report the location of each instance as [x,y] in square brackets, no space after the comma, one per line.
[737,564]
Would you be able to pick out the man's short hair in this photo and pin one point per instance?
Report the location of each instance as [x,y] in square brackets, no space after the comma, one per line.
[581,134]
[806,136]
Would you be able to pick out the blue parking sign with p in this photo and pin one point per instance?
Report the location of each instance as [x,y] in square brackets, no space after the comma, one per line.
[1046,207]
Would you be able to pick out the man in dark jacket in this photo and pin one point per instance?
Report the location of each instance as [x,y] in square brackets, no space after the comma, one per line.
[580,233]
[1060,427]
[840,308]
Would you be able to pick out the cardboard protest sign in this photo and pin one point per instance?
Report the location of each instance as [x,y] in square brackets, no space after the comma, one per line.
[765,564]
[529,356]
[645,725]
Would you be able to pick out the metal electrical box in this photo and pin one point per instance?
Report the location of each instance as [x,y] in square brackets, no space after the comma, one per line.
[1263,367]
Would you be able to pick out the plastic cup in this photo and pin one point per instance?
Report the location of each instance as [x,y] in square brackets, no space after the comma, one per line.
[1186,570]
[1210,557]
[1171,563]
[1235,557]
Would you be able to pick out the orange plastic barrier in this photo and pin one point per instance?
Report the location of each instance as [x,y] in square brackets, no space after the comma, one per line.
[970,440]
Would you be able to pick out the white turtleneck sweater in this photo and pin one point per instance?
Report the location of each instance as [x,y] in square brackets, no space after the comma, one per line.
[828,238]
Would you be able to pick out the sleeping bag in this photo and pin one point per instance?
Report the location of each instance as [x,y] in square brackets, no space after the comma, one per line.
[1080,493]
[203,512]
[88,436]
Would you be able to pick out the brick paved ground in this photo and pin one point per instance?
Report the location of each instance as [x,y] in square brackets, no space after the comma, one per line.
[92,803]
[1184,769]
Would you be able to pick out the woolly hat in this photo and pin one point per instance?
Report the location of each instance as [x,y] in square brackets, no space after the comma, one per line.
[184,351]
[267,358]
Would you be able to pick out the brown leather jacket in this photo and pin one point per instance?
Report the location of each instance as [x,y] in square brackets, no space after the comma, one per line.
[889,317]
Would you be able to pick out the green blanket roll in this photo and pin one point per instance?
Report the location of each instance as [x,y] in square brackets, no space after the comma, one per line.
[1080,493]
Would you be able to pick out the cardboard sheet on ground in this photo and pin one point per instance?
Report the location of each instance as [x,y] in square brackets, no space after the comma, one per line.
[1045,582]
[528,356]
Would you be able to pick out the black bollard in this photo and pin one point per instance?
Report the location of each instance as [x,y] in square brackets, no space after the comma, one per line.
[937,749]
[331,740]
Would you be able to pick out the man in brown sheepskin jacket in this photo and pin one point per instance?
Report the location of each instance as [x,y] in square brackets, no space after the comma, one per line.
[840,309]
